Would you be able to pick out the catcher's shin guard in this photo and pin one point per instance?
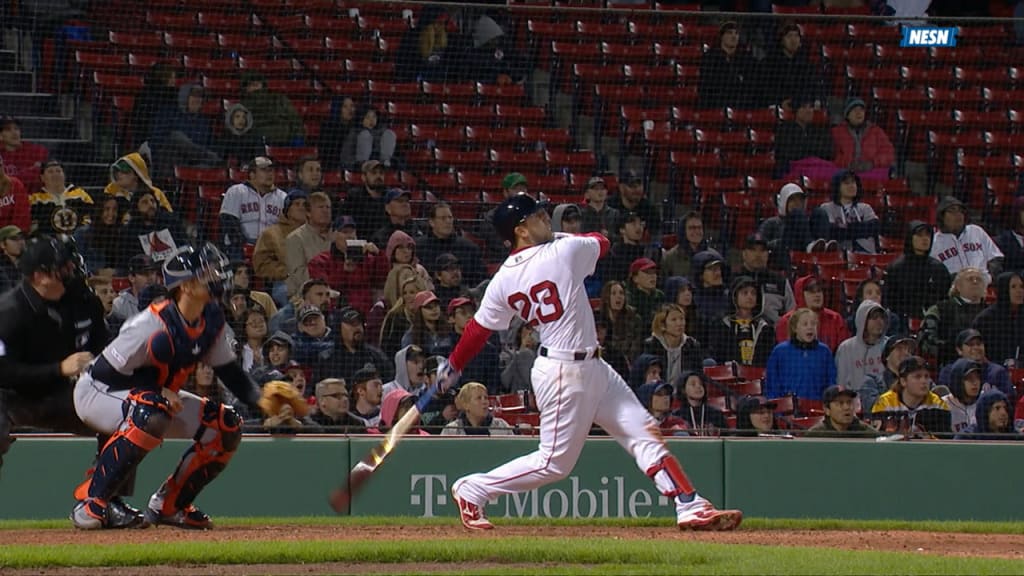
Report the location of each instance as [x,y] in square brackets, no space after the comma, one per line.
[127,486]
[215,443]
[669,477]
[147,417]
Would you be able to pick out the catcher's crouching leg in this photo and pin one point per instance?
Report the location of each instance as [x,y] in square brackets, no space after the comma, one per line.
[147,418]
[215,443]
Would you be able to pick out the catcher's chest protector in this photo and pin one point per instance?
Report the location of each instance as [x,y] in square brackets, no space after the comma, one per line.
[177,348]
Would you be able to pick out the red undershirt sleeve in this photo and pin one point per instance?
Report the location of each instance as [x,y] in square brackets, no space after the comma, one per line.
[473,339]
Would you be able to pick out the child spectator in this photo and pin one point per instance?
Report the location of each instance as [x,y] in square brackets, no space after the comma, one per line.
[701,418]
[743,336]
[475,418]
[657,398]
[669,341]
[809,293]
[910,408]
[802,365]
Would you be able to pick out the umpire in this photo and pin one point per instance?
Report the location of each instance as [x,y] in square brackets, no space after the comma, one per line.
[51,326]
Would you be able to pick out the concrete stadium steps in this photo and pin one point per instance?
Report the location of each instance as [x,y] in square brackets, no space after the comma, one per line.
[20,104]
[68,150]
[8,60]
[48,127]
[17,81]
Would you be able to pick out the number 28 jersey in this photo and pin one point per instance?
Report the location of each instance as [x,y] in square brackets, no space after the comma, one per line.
[543,285]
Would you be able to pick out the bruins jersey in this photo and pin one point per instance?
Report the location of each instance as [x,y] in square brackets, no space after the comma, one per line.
[929,418]
[60,213]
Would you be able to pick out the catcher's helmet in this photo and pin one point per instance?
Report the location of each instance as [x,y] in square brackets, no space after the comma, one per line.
[208,264]
[512,212]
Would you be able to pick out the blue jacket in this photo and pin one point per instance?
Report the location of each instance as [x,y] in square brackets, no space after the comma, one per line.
[804,371]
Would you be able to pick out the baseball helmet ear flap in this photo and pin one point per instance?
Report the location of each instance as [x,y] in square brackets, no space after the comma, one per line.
[512,212]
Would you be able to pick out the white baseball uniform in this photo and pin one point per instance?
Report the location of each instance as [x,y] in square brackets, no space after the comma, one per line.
[972,248]
[256,212]
[574,387]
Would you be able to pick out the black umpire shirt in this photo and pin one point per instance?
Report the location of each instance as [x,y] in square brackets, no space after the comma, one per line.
[36,335]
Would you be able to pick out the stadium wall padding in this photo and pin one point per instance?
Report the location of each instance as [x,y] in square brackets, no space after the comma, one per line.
[291,476]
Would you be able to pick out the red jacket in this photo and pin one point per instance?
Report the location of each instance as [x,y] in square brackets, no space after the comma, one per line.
[356,286]
[14,204]
[832,329]
[25,162]
[874,147]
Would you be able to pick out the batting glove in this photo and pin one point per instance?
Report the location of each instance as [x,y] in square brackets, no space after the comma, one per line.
[447,376]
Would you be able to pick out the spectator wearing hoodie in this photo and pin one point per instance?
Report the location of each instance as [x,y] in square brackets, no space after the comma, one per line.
[130,175]
[916,281]
[1011,240]
[964,390]
[993,420]
[790,231]
[337,150]
[352,272]
[960,245]
[423,53]
[100,242]
[410,375]
[183,135]
[239,143]
[646,368]
[656,397]
[710,295]
[727,73]
[743,336]
[491,59]
[151,230]
[776,292]
[484,367]
[971,345]
[277,352]
[566,218]
[910,408]
[691,241]
[269,258]
[597,215]
[668,341]
[274,118]
[787,70]
[475,418]
[840,416]
[1002,323]
[701,418]
[809,293]
[945,320]
[755,416]
[629,248]
[801,365]
[365,391]
[860,355]
[895,350]
[860,145]
[625,328]
[642,289]
[846,219]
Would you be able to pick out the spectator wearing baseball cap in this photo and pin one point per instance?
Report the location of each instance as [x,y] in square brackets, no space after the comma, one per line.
[365,389]
[626,248]
[776,292]
[365,202]
[840,416]
[398,208]
[597,215]
[448,279]
[632,198]
[410,373]
[430,329]
[314,340]
[12,244]
[350,267]
[742,336]
[142,272]
[755,416]
[642,291]
[810,292]
[971,345]
[710,293]
[895,350]
[277,352]
[802,365]
[239,224]
[964,390]
[58,207]
[910,408]
[352,352]
[485,366]
[22,160]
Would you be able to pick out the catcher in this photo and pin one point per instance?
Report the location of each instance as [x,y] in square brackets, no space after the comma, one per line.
[131,392]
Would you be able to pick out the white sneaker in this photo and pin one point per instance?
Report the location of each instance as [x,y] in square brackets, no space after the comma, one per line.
[700,514]
[472,516]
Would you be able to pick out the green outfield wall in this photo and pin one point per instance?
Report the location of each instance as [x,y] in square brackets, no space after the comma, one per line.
[766,478]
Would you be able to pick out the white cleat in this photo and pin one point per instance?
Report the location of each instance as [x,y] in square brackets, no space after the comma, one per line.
[702,515]
[472,516]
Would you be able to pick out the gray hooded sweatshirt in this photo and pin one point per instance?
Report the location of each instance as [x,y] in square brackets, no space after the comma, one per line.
[402,380]
[855,358]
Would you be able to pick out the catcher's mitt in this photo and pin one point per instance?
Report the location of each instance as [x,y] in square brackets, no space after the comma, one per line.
[277,393]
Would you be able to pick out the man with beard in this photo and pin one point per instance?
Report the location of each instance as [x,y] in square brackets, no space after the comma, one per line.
[367,387]
[351,352]
[365,204]
[151,230]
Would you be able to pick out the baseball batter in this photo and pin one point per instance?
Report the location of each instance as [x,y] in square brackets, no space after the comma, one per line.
[541,281]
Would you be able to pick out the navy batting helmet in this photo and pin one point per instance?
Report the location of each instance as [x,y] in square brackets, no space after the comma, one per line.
[512,212]
[207,264]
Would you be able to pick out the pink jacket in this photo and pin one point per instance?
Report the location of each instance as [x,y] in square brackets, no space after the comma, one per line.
[875,146]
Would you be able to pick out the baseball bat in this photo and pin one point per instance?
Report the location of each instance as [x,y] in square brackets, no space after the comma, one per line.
[364,469]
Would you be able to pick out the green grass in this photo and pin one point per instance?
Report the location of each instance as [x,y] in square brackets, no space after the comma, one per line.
[543,556]
[748,523]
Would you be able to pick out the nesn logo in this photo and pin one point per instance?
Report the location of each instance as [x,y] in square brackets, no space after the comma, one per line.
[920,36]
